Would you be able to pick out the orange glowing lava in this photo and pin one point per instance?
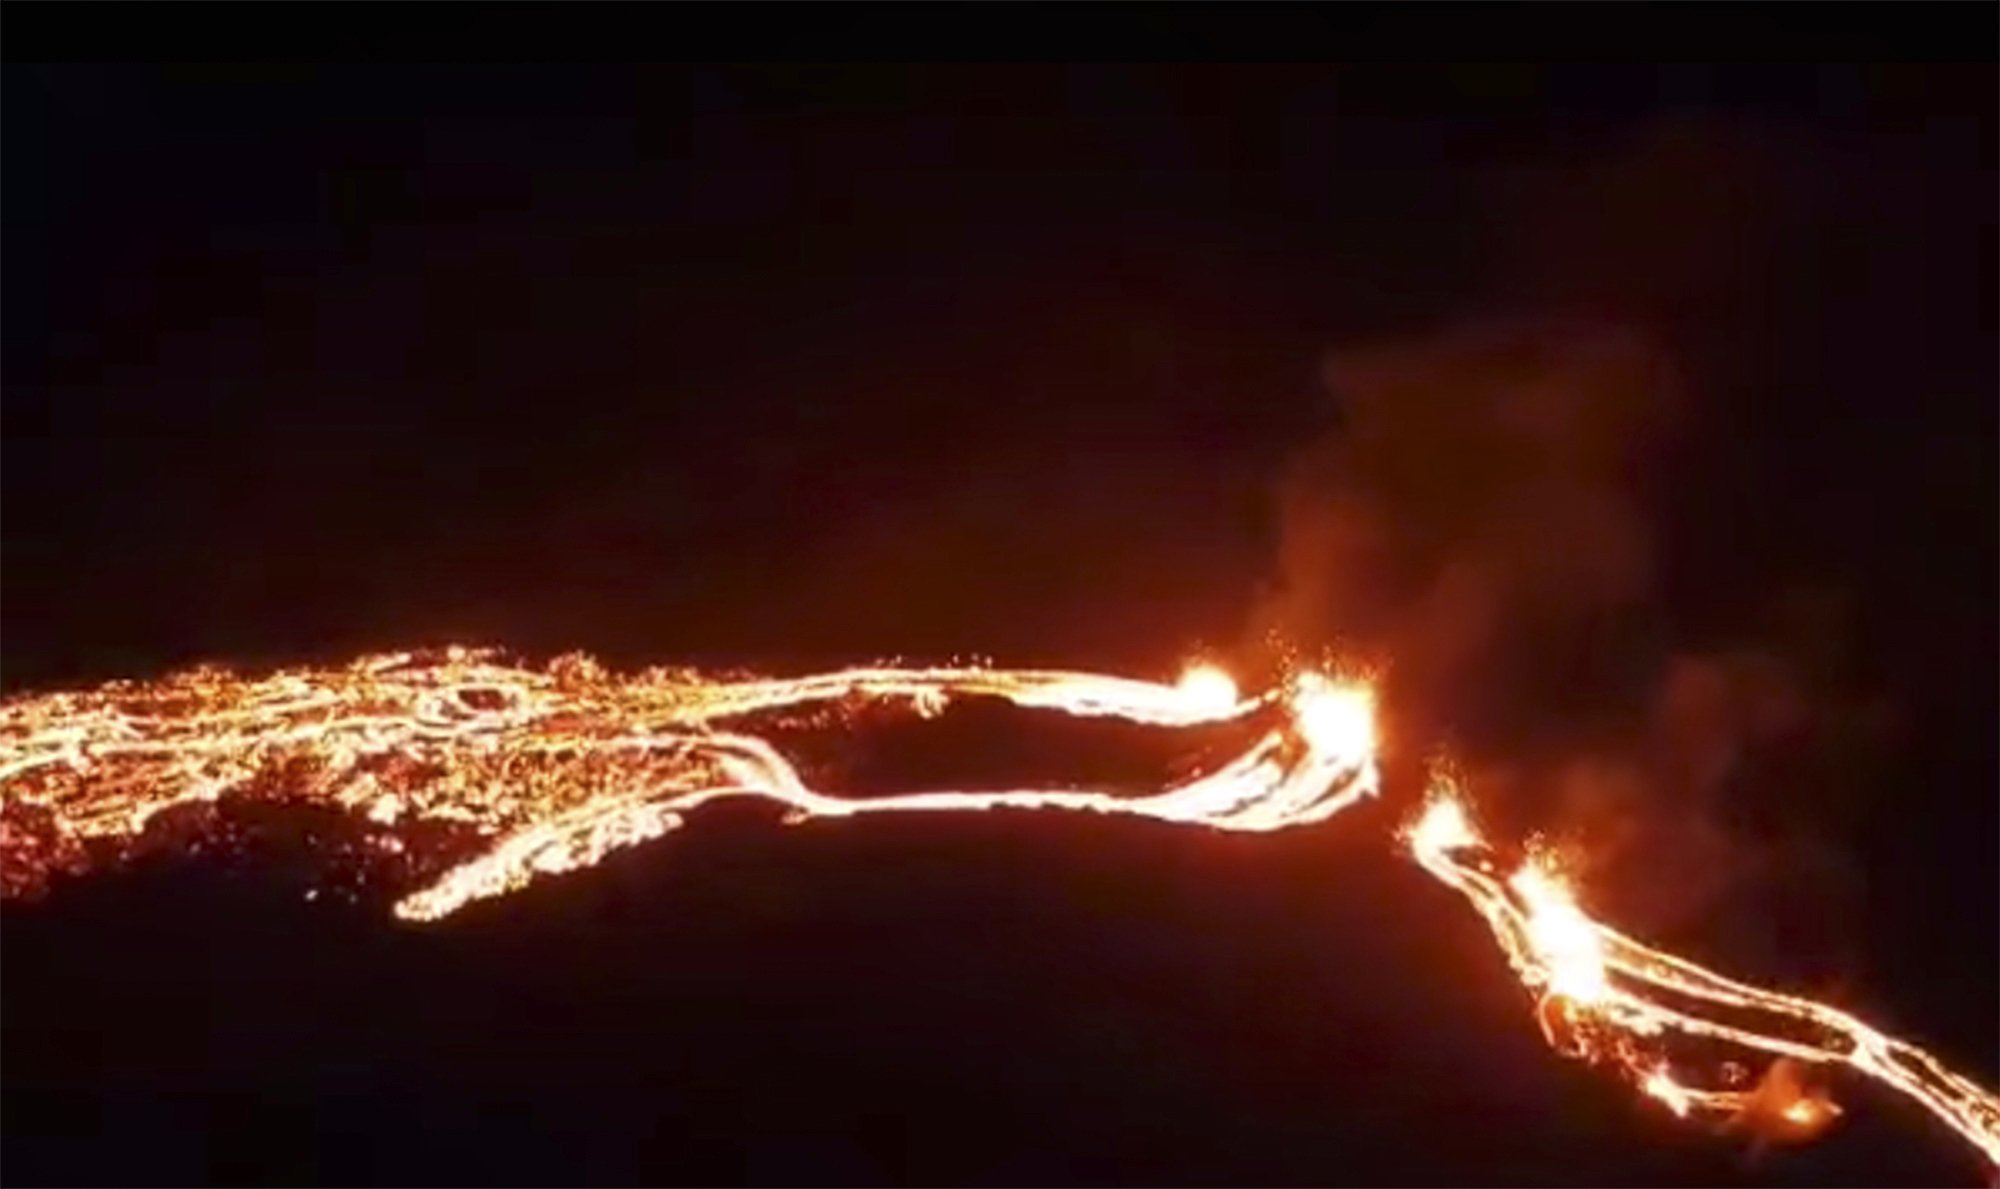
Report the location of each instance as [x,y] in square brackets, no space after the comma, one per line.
[1606,997]
[538,772]
[1208,687]
[469,778]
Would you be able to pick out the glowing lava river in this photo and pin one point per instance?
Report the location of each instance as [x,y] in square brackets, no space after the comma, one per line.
[468,778]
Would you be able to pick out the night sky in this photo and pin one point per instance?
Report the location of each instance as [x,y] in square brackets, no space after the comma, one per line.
[785,367]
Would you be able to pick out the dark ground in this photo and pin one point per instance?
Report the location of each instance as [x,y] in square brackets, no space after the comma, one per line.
[785,367]
[933,1002]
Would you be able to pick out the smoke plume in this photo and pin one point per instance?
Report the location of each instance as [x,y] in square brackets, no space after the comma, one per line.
[1480,525]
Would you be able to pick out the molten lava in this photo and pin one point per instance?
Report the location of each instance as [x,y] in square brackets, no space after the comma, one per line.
[538,772]
[1209,688]
[469,778]
[1606,997]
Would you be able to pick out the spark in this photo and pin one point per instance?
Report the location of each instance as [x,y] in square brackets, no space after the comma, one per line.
[1606,997]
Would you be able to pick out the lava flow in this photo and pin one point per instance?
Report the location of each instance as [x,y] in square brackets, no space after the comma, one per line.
[472,778]
[519,773]
[1606,997]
